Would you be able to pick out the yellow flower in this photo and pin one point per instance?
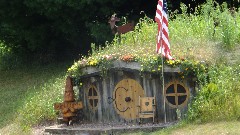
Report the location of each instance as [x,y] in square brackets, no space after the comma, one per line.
[171,62]
[154,58]
[91,63]
[177,61]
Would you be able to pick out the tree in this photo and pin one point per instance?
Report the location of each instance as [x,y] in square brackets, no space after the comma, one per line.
[46,28]
[50,26]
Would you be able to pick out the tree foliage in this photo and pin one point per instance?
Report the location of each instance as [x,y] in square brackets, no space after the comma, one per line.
[42,28]
[50,25]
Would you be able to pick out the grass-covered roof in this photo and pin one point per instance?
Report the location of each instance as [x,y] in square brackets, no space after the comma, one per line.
[204,37]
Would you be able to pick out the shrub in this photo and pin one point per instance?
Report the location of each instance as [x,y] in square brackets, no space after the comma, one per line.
[219,99]
[8,59]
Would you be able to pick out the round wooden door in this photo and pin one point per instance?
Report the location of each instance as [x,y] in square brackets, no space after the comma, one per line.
[126,95]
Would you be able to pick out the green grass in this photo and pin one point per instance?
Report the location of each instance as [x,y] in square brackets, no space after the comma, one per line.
[211,128]
[214,128]
[28,93]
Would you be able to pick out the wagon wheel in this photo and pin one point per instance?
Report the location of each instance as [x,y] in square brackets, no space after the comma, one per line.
[126,94]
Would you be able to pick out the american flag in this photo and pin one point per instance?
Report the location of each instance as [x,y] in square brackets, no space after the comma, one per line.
[163,45]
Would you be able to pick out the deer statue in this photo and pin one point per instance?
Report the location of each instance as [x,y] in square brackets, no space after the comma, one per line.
[120,29]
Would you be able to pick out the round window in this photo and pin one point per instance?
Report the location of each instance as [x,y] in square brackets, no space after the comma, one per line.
[176,94]
[93,97]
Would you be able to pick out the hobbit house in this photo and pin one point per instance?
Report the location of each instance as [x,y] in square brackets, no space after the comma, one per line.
[124,93]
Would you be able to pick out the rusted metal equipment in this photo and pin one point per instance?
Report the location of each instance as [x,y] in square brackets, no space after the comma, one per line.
[69,106]
[120,29]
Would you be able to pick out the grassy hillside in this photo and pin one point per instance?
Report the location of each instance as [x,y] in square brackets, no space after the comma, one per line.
[27,96]
[209,51]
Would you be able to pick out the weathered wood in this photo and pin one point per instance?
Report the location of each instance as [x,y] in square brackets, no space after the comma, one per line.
[126,95]
[151,86]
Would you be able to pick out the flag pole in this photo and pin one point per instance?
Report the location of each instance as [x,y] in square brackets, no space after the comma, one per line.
[161,18]
[163,82]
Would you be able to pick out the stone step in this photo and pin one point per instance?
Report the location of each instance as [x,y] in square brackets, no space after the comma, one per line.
[104,129]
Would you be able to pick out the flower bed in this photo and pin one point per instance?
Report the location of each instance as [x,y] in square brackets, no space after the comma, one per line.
[183,67]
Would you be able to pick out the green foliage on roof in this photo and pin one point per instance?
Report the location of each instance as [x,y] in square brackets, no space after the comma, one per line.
[196,40]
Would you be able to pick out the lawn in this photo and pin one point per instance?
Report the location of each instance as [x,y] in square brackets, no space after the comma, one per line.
[217,128]
[212,128]
[26,86]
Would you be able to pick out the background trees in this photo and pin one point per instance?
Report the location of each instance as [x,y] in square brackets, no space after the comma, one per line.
[49,30]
